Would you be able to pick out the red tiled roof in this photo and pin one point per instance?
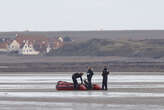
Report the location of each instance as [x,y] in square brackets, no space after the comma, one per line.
[31,37]
[3,45]
[39,40]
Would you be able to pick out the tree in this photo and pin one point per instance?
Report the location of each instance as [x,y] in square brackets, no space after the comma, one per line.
[67,39]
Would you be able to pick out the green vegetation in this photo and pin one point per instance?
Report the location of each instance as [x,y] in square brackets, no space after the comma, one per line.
[104,47]
[67,39]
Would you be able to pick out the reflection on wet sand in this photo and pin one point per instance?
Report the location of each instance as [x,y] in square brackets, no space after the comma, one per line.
[7,105]
[37,92]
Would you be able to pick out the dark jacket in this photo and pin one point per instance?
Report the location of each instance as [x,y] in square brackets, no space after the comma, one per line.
[105,72]
[90,73]
[77,75]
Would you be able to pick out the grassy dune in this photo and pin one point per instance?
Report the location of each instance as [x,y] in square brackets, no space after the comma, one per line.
[105,47]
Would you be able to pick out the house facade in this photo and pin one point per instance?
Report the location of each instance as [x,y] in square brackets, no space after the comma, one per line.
[3,47]
[14,46]
[29,44]
[60,39]
[28,49]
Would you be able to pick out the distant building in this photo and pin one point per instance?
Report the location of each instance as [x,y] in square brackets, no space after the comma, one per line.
[14,46]
[48,49]
[3,47]
[57,44]
[28,49]
[60,39]
[30,44]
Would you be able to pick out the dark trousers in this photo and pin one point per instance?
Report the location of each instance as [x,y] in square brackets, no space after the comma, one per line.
[75,83]
[104,82]
[89,82]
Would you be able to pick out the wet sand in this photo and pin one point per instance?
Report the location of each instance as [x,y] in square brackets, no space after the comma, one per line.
[37,92]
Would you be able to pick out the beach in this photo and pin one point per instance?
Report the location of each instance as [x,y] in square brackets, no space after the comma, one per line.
[126,91]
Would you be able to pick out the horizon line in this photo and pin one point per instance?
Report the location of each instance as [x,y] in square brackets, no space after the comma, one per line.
[84,30]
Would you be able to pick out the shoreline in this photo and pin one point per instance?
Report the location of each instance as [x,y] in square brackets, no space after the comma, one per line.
[80,67]
[79,64]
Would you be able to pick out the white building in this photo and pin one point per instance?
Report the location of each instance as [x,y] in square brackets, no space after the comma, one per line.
[28,49]
[60,39]
[14,46]
[48,49]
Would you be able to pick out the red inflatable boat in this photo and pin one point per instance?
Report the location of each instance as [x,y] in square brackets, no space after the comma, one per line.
[62,85]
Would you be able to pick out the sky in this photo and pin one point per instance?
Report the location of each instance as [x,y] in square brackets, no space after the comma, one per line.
[62,15]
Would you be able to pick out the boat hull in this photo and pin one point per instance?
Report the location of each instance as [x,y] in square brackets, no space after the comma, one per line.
[62,85]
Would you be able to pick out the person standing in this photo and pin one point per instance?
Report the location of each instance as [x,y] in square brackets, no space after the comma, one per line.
[105,74]
[89,77]
[74,78]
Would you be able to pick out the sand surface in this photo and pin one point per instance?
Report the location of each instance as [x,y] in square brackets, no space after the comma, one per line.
[30,91]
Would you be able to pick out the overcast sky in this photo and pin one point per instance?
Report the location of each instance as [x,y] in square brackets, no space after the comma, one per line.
[55,15]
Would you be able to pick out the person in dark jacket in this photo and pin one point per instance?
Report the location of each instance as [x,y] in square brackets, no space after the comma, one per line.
[105,74]
[74,78]
[89,77]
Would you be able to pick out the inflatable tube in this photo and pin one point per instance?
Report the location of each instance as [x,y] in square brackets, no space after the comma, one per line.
[96,87]
[62,85]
